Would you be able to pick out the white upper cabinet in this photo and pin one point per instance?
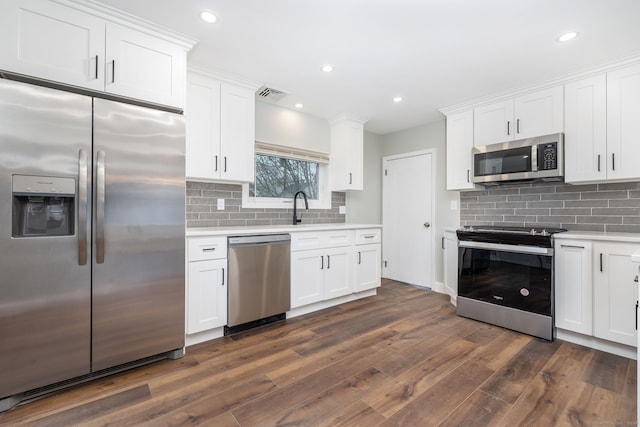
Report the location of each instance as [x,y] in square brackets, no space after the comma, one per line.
[585,139]
[220,130]
[602,124]
[347,154]
[623,123]
[144,67]
[55,42]
[526,116]
[459,146]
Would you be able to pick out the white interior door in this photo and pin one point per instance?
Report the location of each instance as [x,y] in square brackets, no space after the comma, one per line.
[408,218]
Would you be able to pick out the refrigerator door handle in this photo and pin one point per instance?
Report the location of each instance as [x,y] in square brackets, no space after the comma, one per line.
[83,174]
[100,207]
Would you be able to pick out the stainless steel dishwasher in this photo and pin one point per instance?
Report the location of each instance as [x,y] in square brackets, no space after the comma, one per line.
[259,280]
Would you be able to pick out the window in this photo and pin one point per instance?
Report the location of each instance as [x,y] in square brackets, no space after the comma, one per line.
[281,172]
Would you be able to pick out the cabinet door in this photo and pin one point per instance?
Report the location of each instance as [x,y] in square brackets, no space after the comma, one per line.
[52,42]
[451,264]
[307,274]
[206,295]
[539,113]
[585,138]
[338,277]
[237,133]
[368,264]
[347,155]
[202,114]
[623,123]
[573,286]
[614,292]
[493,123]
[144,67]
[459,155]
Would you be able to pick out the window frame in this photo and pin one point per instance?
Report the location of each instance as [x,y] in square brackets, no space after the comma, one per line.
[324,192]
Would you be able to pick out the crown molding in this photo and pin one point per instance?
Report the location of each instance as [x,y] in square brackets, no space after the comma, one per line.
[223,76]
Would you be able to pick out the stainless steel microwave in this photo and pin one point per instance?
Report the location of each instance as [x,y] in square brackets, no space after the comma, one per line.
[539,158]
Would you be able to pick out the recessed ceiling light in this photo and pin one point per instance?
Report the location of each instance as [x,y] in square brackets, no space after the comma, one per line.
[327,68]
[299,105]
[397,99]
[567,36]
[208,17]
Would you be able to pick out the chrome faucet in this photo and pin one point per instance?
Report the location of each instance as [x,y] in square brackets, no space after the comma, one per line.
[296,220]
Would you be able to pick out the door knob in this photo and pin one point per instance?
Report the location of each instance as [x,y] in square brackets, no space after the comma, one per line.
[427,224]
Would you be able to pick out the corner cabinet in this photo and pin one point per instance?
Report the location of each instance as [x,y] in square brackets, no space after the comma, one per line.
[220,129]
[206,283]
[347,154]
[72,45]
[459,151]
[534,114]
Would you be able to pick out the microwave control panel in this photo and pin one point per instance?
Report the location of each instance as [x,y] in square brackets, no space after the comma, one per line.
[548,156]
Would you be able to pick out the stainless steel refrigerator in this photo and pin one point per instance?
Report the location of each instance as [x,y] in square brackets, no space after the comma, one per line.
[92,199]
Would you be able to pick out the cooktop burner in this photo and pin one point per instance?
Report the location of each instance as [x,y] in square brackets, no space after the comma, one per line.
[532,236]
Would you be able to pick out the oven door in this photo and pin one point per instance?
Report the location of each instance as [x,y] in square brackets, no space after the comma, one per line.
[519,277]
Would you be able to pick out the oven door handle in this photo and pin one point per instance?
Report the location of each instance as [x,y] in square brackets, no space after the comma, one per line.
[507,248]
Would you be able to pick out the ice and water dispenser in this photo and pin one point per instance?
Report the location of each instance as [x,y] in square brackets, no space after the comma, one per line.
[43,206]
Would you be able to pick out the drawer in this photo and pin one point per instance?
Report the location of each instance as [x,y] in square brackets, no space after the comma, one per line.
[205,248]
[321,239]
[369,235]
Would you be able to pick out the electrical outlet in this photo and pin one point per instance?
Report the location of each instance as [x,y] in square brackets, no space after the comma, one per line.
[220,204]
[342,210]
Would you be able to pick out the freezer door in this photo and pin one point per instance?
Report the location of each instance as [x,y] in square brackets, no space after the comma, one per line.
[139,233]
[45,288]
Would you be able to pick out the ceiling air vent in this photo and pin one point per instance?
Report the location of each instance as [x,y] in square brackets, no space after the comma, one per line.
[270,94]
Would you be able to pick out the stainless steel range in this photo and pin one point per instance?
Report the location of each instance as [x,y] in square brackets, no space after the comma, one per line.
[505,277]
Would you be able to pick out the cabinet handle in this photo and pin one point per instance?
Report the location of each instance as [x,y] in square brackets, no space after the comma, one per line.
[225,163]
[208,249]
[572,246]
[613,161]
[96,67]
[468,175]
[216,169]
[508,127]
[601,262]
[321,262]
[598,162]
[328,262]
[518,126]
[222,277]
[359,257]
[113,71]
[442,244]
[350,178]
[369,236]
[636,315]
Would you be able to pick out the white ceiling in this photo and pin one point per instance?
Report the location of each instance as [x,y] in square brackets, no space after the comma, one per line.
[433,53]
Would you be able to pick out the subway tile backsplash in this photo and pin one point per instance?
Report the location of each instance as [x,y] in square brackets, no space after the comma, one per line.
[589,207]
[202,209]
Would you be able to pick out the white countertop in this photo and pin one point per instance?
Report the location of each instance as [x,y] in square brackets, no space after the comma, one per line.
[595,235]
[271,229]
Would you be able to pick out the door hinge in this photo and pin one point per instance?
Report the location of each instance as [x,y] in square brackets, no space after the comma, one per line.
[385,172]
[385,264]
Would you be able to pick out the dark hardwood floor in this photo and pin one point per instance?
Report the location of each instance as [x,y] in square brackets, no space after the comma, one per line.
[402,358]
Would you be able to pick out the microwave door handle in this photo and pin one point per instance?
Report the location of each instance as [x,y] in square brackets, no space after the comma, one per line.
[534,158]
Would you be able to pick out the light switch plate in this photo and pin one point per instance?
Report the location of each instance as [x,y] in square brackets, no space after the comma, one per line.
[342,210]
[220,204]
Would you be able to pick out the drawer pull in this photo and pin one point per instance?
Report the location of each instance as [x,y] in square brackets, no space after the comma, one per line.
[208,249]
[369,236]
[572,246]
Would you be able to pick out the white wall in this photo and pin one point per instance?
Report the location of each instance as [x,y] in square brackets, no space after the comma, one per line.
[278,125]
[365,206]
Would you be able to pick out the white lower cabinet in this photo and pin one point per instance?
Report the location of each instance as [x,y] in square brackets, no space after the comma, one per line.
[368,262]
[450,261]
[595,292]
[573,286]
[206,283]
[207,295]
[615,292]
